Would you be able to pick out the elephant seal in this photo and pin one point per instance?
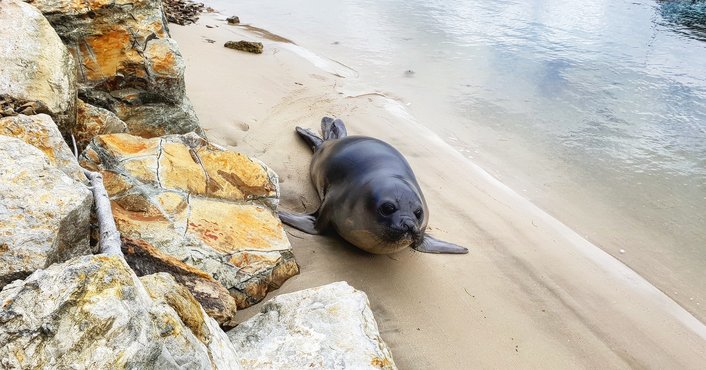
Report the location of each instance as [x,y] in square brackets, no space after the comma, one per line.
[368,192]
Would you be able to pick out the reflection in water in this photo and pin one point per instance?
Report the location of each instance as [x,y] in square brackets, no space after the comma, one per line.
[599,107]
[688,13]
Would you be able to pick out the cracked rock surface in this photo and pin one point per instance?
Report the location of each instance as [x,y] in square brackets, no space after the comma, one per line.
[206,207]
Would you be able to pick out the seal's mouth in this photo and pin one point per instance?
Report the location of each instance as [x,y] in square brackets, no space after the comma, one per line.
[402,236]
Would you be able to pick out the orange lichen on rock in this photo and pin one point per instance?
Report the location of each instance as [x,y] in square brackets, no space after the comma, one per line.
[143,169]
[135,223]
[104,55]
[161,58]
[238,176]
[115,183]
[229,227]
[37,136]
[125,145]
[180,170]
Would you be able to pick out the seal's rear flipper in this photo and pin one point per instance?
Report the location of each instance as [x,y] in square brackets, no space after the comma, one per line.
[333,129]
[300,221]
[313,140]
[433,245]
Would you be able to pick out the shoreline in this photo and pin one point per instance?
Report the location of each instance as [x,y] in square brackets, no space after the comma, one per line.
[520,298]
[540,142]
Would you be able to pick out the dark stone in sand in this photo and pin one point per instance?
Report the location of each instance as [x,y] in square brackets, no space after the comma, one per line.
[182,12]
[233,20]
[248,46]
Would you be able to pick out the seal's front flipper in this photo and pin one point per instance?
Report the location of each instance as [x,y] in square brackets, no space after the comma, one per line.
[333,128]
[433,245]
[300,221]
[313,140]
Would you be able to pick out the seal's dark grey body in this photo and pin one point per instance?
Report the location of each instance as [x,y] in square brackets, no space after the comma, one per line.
[368,192]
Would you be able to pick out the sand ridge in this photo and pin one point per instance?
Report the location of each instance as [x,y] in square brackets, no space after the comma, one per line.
[531,293]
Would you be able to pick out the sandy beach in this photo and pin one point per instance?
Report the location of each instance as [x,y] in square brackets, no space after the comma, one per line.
[531,293]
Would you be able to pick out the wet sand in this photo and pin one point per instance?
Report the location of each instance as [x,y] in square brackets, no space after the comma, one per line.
[531,293]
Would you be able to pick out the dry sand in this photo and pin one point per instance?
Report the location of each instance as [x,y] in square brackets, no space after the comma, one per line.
[530,294]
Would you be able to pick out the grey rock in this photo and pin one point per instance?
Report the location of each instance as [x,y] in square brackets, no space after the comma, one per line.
[45,214]
[329,327]
[35,65]
[42,133]
[158,119]
[96,314]
[165,290]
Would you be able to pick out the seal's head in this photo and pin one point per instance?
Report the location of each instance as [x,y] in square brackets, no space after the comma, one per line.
[391,215]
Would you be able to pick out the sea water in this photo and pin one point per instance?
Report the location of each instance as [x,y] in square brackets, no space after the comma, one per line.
[594,110]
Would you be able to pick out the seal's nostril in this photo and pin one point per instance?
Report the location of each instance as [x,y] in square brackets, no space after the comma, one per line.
[408,225]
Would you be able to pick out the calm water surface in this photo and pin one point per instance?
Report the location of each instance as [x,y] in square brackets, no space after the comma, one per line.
[596,110]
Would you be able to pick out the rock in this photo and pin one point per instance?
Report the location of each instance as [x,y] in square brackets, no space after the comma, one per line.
[182,12]
[248,46]
[209,208]
[329,327]
[41,132]
[44,213]
[145,259]
[37,70]
[126,61]
[96,314]
[92,121]
[158,119]
[233,20]
[164,290]
[10,106]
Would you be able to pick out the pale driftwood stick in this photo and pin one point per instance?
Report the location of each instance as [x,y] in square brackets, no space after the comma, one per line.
[109,235]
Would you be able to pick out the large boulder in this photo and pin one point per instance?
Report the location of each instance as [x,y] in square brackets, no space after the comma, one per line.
[329,327]
[44,214]
[127,63]
[209,208]
[35,66]
[94,313]
[41,132]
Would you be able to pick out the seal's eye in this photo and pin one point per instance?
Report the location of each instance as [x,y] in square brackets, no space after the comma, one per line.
[419,213]
[387,209]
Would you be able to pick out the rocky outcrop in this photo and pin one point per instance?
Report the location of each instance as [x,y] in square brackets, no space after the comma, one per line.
[44,214]
[41,132]
[209,208]
[126,62]
[246,46]
[96,314]
[92,121]
[330,327]
[35,67]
